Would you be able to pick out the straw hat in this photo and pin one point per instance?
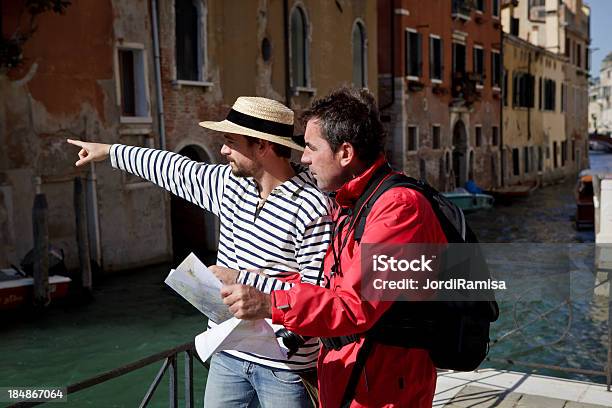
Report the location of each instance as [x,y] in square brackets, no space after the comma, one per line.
[258,117]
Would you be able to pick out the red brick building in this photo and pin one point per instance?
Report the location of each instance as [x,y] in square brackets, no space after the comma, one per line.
[440,87]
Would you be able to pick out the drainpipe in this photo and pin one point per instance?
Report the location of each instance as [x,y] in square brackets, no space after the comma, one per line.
[286,45]
[158,85]
[93,217]
[392,39]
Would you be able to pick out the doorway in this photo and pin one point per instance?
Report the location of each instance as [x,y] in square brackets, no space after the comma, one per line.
[193,229]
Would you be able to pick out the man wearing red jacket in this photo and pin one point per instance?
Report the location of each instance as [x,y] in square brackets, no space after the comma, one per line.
[344,150]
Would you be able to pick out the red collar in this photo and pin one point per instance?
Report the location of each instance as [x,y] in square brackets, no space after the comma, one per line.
[352,189]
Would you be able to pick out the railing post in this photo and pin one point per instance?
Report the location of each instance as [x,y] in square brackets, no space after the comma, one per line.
[82,235]
[609,365]
[189,403]
[41,248]
[173,383]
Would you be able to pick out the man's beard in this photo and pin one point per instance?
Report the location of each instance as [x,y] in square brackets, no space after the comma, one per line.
[240,171]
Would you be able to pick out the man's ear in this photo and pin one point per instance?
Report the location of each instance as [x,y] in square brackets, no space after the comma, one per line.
[263,147]
[345,154]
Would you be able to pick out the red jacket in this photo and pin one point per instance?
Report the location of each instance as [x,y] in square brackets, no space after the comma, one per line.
[393,376]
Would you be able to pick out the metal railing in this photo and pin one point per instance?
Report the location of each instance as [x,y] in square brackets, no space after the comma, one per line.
[606,372]
[169,358]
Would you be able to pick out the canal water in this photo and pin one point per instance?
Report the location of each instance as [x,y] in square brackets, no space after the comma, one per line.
[135,315]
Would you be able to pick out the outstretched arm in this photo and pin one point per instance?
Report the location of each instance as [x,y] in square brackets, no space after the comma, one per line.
[199,183]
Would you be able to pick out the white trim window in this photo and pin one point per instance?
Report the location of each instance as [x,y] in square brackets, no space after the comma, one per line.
[495,8]
[360,55]
[132,85]
[436,58]
[414,54]
[478,63]
[435,136]
[411,144]
[496,70]
[300,75]
[190,40]
[478,135]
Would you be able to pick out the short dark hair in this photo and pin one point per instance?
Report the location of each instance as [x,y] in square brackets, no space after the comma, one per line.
[350,115]
[278,149]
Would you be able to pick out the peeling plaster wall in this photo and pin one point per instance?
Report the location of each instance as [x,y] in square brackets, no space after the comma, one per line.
[66,89]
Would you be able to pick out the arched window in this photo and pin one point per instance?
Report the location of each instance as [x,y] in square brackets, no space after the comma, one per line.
[189,33]
[359,55]
[299,48]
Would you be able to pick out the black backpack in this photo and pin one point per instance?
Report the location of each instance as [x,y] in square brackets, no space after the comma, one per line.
[456,334]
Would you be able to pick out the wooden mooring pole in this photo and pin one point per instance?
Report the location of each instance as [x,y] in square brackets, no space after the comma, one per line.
[82,235]
[40,221]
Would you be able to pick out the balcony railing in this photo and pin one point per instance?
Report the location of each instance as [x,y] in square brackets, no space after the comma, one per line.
[462,8]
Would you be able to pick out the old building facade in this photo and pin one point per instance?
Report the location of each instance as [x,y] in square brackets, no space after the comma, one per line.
[600,100]
[145,73]
[440,89]
[561,30]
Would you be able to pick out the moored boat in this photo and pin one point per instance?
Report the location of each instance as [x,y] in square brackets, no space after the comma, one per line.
[469,202]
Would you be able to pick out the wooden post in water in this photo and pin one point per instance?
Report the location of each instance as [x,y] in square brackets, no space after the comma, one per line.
[40,224]
[82,236]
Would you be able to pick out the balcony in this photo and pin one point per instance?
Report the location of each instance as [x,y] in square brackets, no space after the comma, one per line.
[465,90]
[537,13]
[462,9]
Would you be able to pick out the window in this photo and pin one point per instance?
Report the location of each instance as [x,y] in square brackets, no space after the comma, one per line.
[523,90]
[540,93]
[359,56]
[563,152]
[573,150]
[495,136]
[478,136]
[563,98]
[526,159]
[133,90]
[505,90]
[188,37]
[587,59]
[299,48]
[495,69]
[413,138]
[459,57]
[414,60]
[479,63]
[578,55]
[435,135]
[480,6]
[540,159]
[555,155]
[515,162]
[514,26]
[550,93]
[568,46]
[435,58]
[495,8]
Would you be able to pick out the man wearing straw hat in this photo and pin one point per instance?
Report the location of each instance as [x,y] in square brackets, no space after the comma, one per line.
[273,219]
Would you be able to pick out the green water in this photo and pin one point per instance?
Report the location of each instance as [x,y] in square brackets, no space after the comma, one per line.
[132,317]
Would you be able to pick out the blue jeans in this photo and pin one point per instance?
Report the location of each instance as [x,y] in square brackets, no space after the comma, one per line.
[233,382]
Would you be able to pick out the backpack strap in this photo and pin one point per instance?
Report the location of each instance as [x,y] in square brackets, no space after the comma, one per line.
[432,196]
[360,360]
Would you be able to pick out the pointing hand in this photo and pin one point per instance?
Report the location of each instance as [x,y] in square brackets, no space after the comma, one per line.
[90,152]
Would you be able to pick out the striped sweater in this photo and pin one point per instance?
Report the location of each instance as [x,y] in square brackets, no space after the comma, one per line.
[289,233]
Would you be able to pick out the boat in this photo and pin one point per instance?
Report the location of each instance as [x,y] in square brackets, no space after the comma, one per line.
[585,209]
[513,192]
[17,289]
[469,202]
